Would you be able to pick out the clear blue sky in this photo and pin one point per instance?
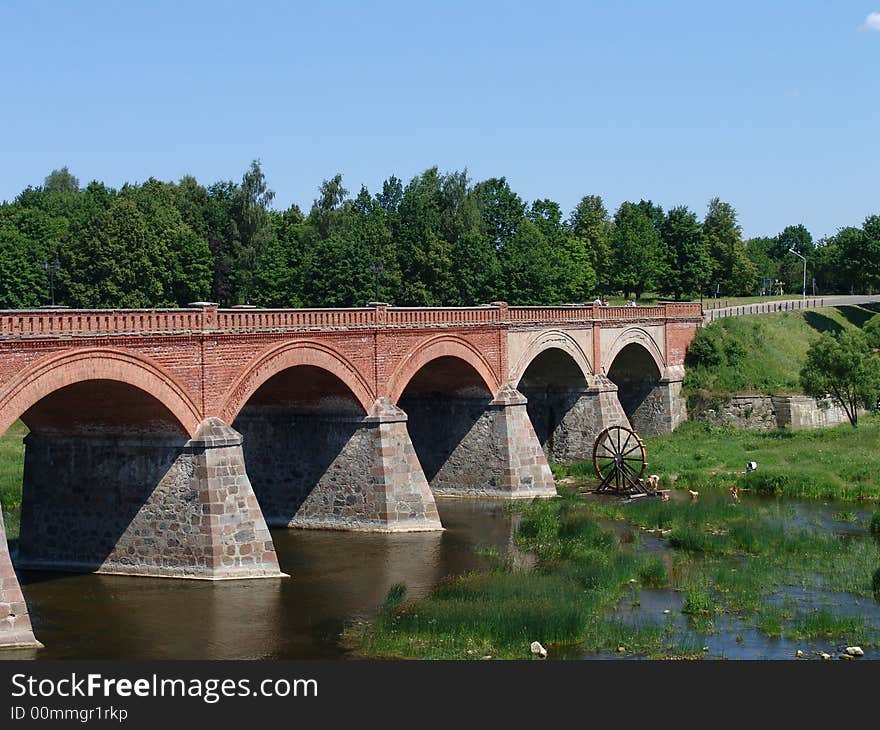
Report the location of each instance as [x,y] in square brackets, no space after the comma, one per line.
[773,106]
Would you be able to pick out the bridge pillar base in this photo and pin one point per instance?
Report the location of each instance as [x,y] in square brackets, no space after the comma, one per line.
[147,506]
[338,472]
[15,623]
[569,420]
[498,456]
[661,411]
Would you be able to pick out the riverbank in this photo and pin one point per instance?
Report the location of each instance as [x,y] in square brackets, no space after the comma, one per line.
[831,463]
[750,574]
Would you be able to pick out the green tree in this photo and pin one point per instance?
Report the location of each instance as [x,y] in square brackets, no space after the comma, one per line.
[732,268]
[845,368]
[61,181]
[639,261]
[590,223]
[688,255]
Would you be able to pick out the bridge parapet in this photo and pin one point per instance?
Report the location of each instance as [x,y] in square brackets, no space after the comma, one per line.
[103,322]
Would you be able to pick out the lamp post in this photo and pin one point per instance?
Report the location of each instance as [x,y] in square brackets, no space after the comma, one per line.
[50,268]
[377,267]
[803,258]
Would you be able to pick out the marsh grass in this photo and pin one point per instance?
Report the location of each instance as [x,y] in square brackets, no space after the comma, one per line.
[732,557]
[580,577]
[823,623]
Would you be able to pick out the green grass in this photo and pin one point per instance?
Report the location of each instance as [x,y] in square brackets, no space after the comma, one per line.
[12,465]
[761,353]
[830,463]
[727,558]
[581,575]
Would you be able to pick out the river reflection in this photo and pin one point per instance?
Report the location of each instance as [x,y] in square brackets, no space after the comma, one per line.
[336,578]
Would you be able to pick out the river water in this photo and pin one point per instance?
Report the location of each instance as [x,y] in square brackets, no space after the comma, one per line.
[335,578]
[340,577]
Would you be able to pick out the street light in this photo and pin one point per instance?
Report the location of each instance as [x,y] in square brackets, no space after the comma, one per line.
[377,267]
[791,250]
[50,268]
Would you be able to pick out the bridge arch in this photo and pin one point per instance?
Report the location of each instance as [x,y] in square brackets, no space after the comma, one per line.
[446,348]
[551,340]
[635,336]
[290,355]
[50,375]
[308,449]
[636,366]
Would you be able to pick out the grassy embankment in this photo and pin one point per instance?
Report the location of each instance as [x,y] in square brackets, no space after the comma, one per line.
[763,353]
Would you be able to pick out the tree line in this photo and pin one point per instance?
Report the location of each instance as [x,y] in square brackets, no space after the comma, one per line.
[439,239]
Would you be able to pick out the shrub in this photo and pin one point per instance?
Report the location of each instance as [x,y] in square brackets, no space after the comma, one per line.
[875,524]
[706,348]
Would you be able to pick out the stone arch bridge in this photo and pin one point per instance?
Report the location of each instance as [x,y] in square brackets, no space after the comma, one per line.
[167,442]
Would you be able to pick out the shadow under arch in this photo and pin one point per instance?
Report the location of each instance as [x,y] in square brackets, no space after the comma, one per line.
[635,372]
[555,385]
[302,428]
[444,401]
[100,470]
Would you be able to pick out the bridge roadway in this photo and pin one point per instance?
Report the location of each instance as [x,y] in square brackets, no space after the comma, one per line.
[167,442]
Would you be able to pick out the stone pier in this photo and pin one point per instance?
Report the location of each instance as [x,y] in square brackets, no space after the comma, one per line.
[342,471]
[657,407]
[15,623]
[474,446]
[568,420]
[144,505]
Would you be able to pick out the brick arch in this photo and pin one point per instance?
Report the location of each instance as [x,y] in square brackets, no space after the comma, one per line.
[637,336]
[289,355]
[549,340]
[58,371]
[441,346]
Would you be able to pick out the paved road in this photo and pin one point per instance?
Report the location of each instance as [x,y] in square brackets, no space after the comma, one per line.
[786,305]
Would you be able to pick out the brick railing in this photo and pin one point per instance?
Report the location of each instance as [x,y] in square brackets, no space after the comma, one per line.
[101,322]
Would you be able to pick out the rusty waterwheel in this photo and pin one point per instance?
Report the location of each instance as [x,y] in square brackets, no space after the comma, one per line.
[619,460]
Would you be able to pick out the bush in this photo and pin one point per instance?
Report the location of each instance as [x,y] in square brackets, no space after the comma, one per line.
[875,584]
[706,348]
[875,524]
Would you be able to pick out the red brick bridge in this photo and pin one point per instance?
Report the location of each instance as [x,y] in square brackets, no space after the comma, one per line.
[166,442]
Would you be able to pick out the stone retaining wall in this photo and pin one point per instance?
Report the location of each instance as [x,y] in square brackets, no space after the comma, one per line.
[766,412]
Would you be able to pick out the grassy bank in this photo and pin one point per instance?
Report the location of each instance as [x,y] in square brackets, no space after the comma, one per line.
[829,463]
[762,353]
[580,577]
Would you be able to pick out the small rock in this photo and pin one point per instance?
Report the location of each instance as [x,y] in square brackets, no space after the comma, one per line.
[847,656]
[621,649]
[488,656]
[538,649]
[666,610]
[632,580]
[824,655]
[799,654]
[855,651]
